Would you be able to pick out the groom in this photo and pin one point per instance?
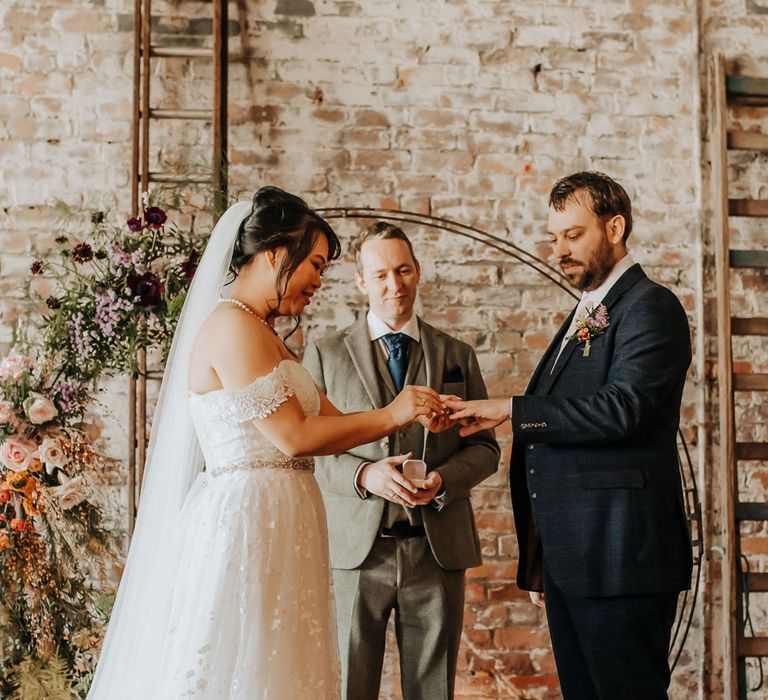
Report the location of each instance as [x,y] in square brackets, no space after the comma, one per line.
[596,490]
[395,547]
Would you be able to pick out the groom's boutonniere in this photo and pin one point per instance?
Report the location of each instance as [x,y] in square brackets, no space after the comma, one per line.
[590,326]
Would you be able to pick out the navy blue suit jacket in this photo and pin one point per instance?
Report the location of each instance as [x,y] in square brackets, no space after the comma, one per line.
[594,474]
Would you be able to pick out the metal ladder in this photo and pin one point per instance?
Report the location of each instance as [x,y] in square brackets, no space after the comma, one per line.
[145,50]
[726,92]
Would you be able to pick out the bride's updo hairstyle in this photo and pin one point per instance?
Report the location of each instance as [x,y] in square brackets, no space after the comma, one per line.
[279,219]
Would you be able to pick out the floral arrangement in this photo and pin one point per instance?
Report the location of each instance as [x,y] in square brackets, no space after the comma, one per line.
[51,535]
[590,326]
[118,289]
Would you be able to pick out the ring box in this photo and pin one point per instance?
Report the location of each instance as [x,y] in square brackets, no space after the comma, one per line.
[415,470]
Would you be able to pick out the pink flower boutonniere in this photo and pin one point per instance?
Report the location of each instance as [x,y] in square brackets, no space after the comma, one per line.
[590,326]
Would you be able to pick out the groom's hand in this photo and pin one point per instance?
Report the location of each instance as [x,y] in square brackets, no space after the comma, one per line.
[478,415]
[537,598]
[384,479]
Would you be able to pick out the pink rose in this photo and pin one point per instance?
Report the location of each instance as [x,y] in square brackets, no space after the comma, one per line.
[14,367]
[6,412]
[51,454]
[71,492]
[16,453]
[39,408]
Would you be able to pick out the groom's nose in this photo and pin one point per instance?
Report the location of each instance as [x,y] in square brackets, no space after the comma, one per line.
[560,248]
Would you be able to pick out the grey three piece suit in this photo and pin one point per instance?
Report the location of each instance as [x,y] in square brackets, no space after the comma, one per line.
[420,578]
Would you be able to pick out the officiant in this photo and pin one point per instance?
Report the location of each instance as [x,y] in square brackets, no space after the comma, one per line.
[396,547]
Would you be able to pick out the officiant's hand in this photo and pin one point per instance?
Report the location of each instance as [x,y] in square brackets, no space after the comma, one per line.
[478,415]
[384,479]
[432,485]
[414,402]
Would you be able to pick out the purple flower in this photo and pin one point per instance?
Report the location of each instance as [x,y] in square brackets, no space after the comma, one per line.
[69,395]
[134,224]
[52,303]
[599,317]
[78,336]
[82,253]
[155,217]
[118,257]
[37,267]
[108,311]
[147,287]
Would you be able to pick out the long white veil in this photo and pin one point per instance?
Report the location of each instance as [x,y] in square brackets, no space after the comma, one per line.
[132,649]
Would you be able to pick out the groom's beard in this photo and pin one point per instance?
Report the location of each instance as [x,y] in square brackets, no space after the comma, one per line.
[595,271]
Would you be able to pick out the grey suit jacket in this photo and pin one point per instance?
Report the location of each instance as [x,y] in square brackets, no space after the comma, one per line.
[344,366]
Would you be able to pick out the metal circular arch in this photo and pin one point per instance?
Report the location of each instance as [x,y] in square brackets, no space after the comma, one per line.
[687,603]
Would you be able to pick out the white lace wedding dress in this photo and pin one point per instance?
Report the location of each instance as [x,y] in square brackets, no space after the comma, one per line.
[252,615]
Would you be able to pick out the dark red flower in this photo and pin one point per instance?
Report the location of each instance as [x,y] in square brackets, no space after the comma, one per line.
[147,287]
[155,217]
[37,267]
[52,303]
[82,253]
[134,224]
[189,266]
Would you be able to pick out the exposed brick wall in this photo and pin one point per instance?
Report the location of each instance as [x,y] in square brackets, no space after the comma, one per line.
[461,109]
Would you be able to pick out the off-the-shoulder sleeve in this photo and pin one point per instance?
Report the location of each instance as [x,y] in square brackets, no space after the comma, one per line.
[262,397]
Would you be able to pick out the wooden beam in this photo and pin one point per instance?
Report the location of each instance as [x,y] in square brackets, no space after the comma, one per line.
[749,326]
[743,85]
[758,583]
[750,382]
[755,451]
[172,177]
[200,114]
[727,477]
[740,140]
[748,207]
[220,155]
[753,646]
[751,511]
[181,52]
[748,258]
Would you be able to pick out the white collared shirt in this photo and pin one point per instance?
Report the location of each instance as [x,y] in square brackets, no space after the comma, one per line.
[378,328]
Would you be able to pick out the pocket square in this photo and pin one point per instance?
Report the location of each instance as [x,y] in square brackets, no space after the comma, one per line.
[454,374]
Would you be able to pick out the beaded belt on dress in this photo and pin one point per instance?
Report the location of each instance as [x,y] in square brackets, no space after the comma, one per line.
[298,463]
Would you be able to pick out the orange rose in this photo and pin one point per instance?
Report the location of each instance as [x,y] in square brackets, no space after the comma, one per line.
[18,524]
[5,496]
[22,483]
[31,506]
[5,541]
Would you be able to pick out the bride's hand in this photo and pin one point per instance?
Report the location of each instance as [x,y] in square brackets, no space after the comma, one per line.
[442,421]
[413,402]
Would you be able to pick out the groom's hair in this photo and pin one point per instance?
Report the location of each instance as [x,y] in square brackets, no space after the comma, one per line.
[381,230]
[606,197]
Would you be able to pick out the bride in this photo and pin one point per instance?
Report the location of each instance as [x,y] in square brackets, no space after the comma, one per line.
[226,592]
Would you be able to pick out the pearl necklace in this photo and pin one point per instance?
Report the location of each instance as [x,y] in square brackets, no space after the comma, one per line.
[239,304]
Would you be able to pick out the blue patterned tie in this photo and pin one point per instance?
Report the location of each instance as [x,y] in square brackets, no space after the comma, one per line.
[397,344]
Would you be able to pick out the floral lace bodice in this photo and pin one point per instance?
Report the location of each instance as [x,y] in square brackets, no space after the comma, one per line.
[223,421]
